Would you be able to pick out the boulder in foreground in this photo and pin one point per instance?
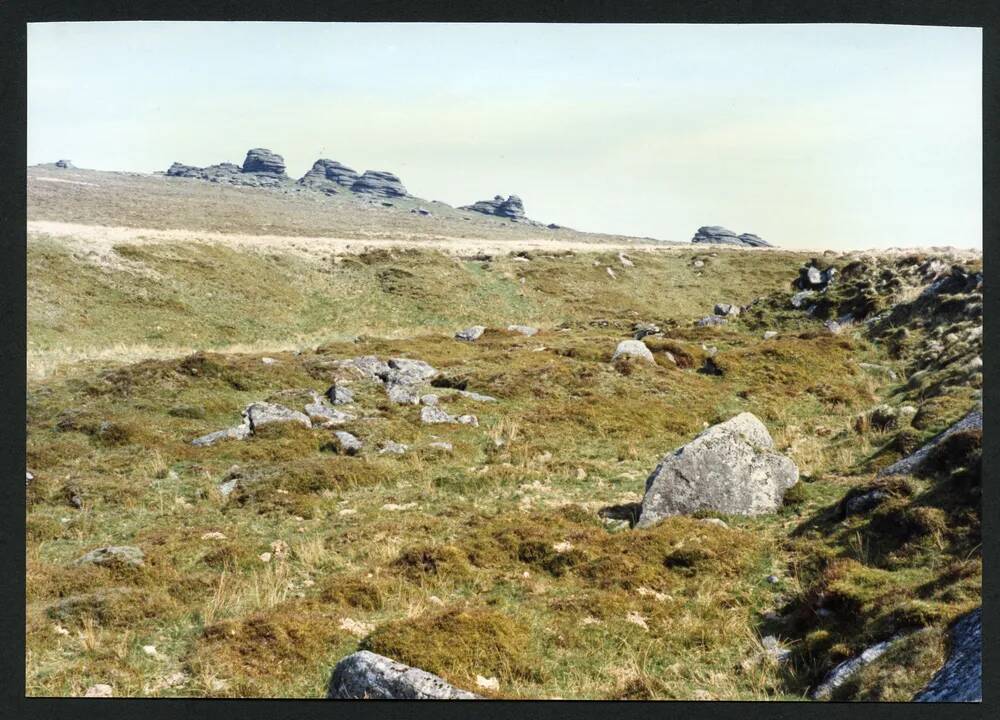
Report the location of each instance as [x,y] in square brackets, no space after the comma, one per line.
[729,468]
[365,675]
[961,677]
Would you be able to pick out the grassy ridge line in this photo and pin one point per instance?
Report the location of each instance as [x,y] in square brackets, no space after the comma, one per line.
[132,301]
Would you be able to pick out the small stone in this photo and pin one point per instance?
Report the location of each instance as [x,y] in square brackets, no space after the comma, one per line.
[347,511]
[392,448]
[349,444]
[213,535]
[563,546]
[355,627]
[637,619]
[768,334]
[268,360]
[773,579]
[490,683]
[393,507]
[100,690]
[525,330]
[149,650]
[265,557]
[443,446]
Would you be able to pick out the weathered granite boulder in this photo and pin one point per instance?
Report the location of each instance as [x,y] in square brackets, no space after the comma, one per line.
[633,348]
[512,208]
[812,278]
[724,309]
[259,414]
[114,555]
[730,468]
[410,372]
[261,160]
[237,432]
[718,235]
[321,412]
[349,444]
[912,463]
[365,675]
[379,183]
[961,677]
[847,669]
[328,175]
[471,334]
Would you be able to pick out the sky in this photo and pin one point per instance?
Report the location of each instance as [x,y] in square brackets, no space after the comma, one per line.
[811,136]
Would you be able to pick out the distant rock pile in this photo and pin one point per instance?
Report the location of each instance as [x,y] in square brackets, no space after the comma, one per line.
[718,235]
[380,183]
[65,165]
[329,176]
[511,209]
[263,168]
[260,160]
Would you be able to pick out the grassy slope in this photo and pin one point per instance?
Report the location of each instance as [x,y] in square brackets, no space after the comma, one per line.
[467,580]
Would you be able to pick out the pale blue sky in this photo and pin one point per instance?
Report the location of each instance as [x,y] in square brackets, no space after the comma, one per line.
[815,136]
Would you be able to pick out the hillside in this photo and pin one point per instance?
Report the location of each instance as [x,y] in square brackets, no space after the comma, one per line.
[160,308]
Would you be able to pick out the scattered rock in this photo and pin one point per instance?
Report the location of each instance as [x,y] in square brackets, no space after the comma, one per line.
[267,360]
[715,521]
[321,412]
[65,165]
[114,555]
[467,420]
[490,683]
[812,278]
[913,463]
[432,414]
[726,309]
[525,330]
[641,330]
[392,448]
[349,444]
[718,235]
[442,446]
[633,348]
[769,334]
[365,675]
[730,468]
[710,320]
[100,690]
[339,395]
[259,414]
[774,649]
[478,397]
[429,399]
[625,260]
[239,432]
[471,334]
[961,677]
[799,299]
[845,670]
[864,503]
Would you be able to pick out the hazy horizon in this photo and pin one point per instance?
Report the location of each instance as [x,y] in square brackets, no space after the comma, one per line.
[811,136]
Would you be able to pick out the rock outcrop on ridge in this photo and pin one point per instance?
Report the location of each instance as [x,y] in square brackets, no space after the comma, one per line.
[718,235]
[379,183]
[512,208]
[328,176]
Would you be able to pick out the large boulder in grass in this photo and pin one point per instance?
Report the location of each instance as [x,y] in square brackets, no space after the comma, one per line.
[730,468]
[366,676]
[633,349]
[961,677]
